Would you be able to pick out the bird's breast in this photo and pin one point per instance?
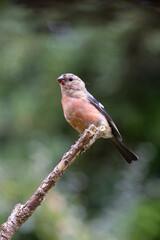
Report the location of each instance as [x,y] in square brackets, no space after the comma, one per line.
[80,113]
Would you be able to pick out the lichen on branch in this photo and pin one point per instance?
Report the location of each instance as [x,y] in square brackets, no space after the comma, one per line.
[20,212]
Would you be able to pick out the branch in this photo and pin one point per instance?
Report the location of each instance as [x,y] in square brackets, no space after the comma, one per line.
[20,212]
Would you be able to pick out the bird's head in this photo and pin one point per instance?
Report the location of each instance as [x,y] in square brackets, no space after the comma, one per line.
[71,84]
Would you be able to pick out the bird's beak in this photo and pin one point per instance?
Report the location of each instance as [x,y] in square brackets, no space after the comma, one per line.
[61,80]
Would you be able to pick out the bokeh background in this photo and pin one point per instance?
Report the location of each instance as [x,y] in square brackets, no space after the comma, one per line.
[114,46]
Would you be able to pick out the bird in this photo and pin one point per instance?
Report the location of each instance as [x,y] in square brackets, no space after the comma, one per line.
[81,110]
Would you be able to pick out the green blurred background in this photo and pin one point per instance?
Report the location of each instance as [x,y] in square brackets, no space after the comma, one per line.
[114,46]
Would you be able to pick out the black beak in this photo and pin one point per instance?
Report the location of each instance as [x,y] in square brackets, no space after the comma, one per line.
[61,80]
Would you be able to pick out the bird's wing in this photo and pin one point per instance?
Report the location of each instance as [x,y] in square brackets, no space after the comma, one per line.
[100,107]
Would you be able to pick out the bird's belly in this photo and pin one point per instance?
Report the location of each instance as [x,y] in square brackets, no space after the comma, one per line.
[79,113]
[76,118]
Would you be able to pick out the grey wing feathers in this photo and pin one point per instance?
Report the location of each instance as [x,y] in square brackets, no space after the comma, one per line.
[100,107]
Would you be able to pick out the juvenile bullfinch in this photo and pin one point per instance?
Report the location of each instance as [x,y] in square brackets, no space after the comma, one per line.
[81,109]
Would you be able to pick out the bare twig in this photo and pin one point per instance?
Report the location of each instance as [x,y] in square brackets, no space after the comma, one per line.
[21,212]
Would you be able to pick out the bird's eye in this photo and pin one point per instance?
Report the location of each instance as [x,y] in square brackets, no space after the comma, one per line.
[70,79]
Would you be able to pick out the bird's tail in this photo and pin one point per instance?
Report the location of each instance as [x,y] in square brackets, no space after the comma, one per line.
[125,152]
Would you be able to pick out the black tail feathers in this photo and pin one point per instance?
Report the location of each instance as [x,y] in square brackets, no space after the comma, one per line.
[125,152]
